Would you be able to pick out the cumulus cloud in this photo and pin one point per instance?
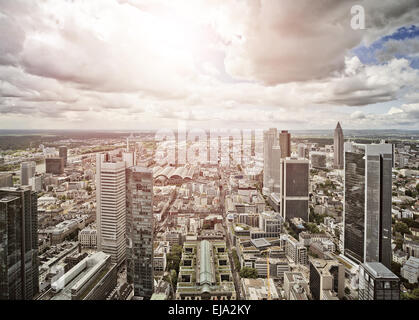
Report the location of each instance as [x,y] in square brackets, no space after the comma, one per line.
[201,61]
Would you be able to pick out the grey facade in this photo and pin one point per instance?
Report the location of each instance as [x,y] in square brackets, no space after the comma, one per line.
[27,171]
[270,139]
[338,147]
[54,165]
[285,144]
[140,226]
[62,152]
[367,208]
[6,180]
[18,244]
[294,188]
[376,282]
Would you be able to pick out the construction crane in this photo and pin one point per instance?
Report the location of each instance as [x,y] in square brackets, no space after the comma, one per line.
[268,252]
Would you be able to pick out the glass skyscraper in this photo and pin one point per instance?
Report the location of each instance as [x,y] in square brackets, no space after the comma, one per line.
[367,209]
[140,225]
[18,244]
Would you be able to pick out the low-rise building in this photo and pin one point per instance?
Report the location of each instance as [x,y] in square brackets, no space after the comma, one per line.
[410,270]
[205,272]
[259,289]
[296,287]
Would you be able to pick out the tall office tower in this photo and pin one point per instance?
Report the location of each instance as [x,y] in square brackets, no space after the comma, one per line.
[140,226]
[276,169]
[253,143]
[318,160]
[367,202]
[129,158]
[383,141]
[301,150]
[285,144]
[131,141]
[338,147]
[219,149]
[36,183]
[54,165]
[110,207]
[6,180]
[62,153]
[376,282]
[19,275]
[294,188]
[270,139]
[27,171]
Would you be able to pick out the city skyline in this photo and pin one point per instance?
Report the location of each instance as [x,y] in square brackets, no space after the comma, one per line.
[231,151]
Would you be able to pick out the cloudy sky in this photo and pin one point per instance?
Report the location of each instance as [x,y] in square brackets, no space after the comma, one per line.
[143,64]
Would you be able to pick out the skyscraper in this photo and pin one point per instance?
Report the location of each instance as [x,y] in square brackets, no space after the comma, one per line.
[294,188]
[110,207]
[285,144]
[367,203]
[54,165]
[62,151]
[338,147]
[19,275]
[140,225]
[270,139]
[276,169]
[6,180]
[27,171]
[376,282]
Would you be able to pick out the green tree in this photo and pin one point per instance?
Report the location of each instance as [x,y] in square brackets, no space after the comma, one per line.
[247,272]
[174,257]
[402,227]
[337,232]
[236,260]
[399,243]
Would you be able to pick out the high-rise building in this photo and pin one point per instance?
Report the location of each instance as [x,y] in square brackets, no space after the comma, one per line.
[6,180]
[54,165]
[338,147]
[19,275]
[301,150]
[376,282]
[318,160]
[294,188]
[62,153]
[140,225]
[285,144]
[36,183]
[110,207]
[27,171]
[129,158]
[270,139]
[367,203]
[276,169]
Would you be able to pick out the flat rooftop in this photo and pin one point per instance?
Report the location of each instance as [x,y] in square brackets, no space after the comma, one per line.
[379,270]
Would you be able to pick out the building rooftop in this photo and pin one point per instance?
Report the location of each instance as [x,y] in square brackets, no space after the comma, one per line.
[378,270]
[260,243]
